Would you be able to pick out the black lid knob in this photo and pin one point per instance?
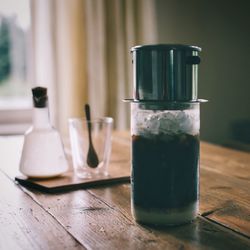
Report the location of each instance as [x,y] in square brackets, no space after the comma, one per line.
[40,97]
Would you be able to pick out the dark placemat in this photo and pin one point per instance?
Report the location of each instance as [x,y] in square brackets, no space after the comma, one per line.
[69,181]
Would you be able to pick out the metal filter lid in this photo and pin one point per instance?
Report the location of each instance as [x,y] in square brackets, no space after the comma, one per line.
[165,72]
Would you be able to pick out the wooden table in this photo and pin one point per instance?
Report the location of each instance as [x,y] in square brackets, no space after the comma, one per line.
[100,218]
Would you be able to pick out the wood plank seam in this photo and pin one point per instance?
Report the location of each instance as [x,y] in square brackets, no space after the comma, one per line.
[224,227]
[64,227]
[210,212]
[110,206]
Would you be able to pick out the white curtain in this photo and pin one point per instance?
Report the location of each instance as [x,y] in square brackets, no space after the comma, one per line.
[82,53]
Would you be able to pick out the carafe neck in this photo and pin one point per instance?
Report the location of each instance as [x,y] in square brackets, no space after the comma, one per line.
[41,118]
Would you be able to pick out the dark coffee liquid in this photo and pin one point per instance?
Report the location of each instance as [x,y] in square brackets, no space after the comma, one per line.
[165,171]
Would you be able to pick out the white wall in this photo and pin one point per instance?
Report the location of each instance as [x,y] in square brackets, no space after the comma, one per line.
[222,29]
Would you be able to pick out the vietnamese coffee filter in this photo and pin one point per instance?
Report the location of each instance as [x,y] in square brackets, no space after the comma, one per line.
[165,72]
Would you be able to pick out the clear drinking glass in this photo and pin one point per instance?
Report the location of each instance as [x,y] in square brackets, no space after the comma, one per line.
[101,134]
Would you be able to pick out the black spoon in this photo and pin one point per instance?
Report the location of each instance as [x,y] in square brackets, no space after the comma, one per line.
[92,158]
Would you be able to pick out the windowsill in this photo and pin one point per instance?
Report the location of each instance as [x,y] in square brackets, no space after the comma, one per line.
[13,129]
[15,121]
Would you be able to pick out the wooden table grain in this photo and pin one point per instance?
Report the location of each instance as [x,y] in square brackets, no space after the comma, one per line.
[100,218]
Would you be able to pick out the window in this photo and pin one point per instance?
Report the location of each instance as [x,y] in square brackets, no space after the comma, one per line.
[15,66]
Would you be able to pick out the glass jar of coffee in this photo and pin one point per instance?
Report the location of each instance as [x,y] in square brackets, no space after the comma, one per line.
[165,162]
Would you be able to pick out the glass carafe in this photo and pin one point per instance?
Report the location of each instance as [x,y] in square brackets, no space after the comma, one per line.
[43,154]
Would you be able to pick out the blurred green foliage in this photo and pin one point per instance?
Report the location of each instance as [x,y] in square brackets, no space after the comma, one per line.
[5,44]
